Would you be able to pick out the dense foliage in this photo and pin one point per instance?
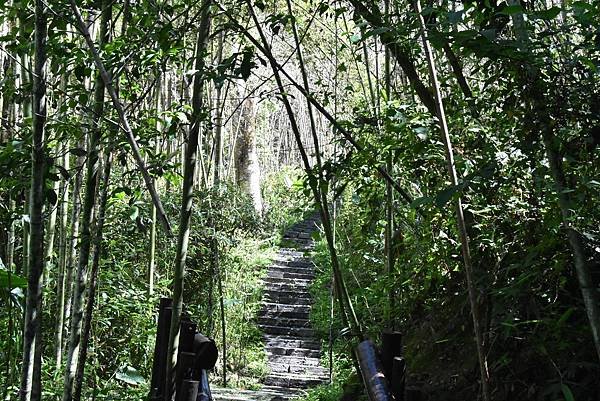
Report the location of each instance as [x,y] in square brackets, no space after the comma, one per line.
[491,275]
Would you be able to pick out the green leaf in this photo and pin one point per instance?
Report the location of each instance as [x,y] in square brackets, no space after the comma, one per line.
[489,34]
[260,5]
[511,10]
[455,17]
[133,212]
[567,393]
[565,316]
[16,281]
[247,64]
[377,31]
[444,196]
[424,200]
[130,376]
[546,15]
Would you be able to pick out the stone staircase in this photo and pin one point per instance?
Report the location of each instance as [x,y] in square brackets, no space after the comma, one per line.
[292,349]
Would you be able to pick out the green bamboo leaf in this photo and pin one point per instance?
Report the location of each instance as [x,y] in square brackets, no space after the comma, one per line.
[567,393]
[16,281]
[130,376]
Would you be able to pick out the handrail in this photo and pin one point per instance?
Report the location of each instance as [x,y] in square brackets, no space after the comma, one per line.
[383,373]
[372,372]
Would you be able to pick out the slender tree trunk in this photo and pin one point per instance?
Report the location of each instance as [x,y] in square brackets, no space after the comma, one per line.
[215,260]
[89,307]
[62,262]
[246,158]
[219,118]
[186,201]
[71,256]
[51,231]
[36,252]
[460,219]
[8,112]
[589,291]
[389,193]
[25,80]
[80,281]
[152,261]
[219,274]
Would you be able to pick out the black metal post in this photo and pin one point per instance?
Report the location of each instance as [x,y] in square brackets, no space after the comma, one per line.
[157,384]
[391,347]
[398,378]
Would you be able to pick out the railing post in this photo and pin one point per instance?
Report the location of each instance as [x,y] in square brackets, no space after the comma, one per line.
[394,365]
[157,383]
[398,378]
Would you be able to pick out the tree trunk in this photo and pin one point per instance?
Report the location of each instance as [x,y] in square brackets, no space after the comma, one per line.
[218,118]
[89,308]
[71,251]
[25,79]
[62,262]
[191,151]
[152,261]
[389,194]
[80,281]
[33,314]
[246,158]
[8,119]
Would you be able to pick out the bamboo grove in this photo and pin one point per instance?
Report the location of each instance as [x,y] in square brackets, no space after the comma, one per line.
[451,149]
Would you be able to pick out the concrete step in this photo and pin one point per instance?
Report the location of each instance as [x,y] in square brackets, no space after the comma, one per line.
[287,342]
[298,352]
[272,307]
[283,273]
[290,380]
[295,265]
[299,262]
[285,314]
[294,360]
[312,371]
[291,287]
[286,293]
[288,331]
[297,282]
[283,322]
[298,232]
[287,255]
[266,393]
[287,300]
